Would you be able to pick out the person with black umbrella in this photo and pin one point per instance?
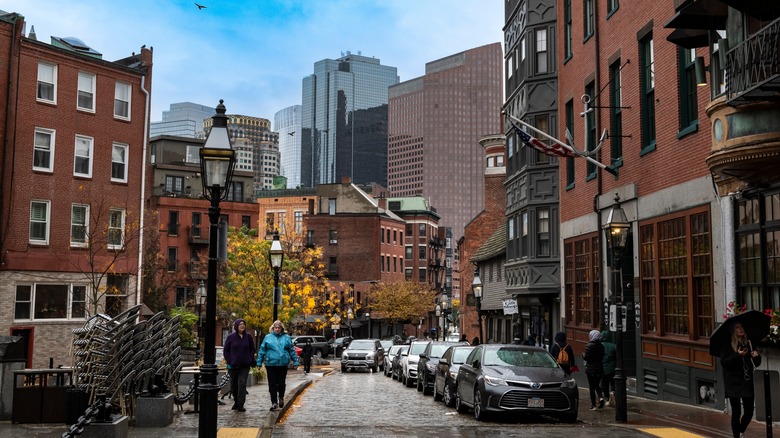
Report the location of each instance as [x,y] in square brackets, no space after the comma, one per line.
[739,359]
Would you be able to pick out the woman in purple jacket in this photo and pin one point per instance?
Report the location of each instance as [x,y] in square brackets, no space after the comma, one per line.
[239,351]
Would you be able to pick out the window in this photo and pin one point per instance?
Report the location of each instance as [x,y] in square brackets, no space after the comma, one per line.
[409,229]
[422,230]
[408,274]
[269,223]
[86,94]
[570,160]
[47,83]
[758,237]
[423,277]
[116,229]
[612,6]
[332,206]
[195,230]
[521,48]
[173,223]
[675,262]
[421,252]
[79,224]
[184,296]
[541,51]
[116,290]
[43,149]
[235,192]
[590,129]
[567,50]
[718,66]
[582,281]
[687,91]
[333,267]
[298,222]
[122,100]
[647,96]
[193,154]
[408,252]
[333,237]
[524,234]
[174,184]
[511,244]
[39,222]
[173,258]
[588,23]
[382,235]
[246,221]
[282,216]
[542,123]
[616,114]
[119,163]
[395,237]
[82,163]
[50,301]
[310,237]
[543,232]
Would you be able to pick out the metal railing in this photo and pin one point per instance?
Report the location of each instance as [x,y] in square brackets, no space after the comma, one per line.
[753,62]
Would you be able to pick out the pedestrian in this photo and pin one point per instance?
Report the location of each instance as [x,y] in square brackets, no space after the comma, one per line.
[739,359]
[464,338]
[594,368]
[306,353]
[239,352]
[610,362]
[531,339]
[277,352]
[475,341]
[566,361]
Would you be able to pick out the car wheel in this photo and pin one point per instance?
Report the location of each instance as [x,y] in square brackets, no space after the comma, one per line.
[408,382]
[479,411]
[318,353]
[420,384]
[448,397]
[459,406]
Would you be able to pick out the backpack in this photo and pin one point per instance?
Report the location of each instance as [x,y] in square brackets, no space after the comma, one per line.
[563,356]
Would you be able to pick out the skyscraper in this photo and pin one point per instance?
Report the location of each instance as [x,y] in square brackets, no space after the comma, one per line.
[183,119]
[344,121]
[435,123]
[287,122]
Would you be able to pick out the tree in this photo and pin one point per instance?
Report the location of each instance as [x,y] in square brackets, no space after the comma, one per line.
[401,301]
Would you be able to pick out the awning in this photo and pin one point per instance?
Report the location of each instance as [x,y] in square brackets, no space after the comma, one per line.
[689,38]
[699,14]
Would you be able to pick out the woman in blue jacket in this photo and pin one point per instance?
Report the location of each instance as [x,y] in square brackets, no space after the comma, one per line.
[276,352]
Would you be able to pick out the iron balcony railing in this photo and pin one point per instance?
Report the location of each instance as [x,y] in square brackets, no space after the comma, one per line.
[752,64]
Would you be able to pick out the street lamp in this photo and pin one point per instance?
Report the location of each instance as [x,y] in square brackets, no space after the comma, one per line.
[476,287]
[276,255]
[216,163]
[616,230]
[368,315]
[438,319]
[445,304]
[200,300]
[350,315]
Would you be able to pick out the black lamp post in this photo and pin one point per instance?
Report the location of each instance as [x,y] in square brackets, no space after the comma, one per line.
[616,230]
[200,299]
[216,162]
[476,287]
[276,255]
[438,319]
[445,305]
[350,315]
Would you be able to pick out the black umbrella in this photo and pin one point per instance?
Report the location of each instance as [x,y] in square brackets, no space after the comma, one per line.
[755,323]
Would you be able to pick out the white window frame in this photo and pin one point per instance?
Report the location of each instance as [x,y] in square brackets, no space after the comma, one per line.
[36,149]
[122,94]
[45,81]
[113,226]
[76,156]
[114,149]
[86,84]
[540,37]
[69,301]
[73,225]
[45,221]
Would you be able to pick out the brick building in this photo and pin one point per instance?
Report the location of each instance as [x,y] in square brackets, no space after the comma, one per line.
[73,131]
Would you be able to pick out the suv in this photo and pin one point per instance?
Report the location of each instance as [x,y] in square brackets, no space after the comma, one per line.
[338,345]
[429,359]
[319,344]
[363,353]
[410,364]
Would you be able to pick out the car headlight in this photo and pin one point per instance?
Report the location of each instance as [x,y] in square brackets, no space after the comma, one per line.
[494,381]
[344,356]
[369,356]
[569,383]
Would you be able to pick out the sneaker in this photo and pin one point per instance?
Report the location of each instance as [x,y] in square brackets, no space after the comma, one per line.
[601,403]
[593,408]
[274,407]
[241,409]
[281,402]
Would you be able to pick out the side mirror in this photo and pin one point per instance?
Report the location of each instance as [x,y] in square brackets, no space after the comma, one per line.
[423,356]
[444,361]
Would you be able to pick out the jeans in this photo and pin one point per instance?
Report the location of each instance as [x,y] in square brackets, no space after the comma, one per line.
[738,425]
[277,381]
[238,378]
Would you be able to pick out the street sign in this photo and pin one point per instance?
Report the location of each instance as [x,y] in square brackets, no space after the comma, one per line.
[335,326]
[613,317]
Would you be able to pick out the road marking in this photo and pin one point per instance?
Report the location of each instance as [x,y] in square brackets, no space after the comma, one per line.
[238,432]
[669,432]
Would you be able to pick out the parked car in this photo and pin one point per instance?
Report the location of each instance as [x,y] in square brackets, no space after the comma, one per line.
[319,344]
[445,381]
[516,378]
[410,362]
[397,368]
[390,354]
[386,344]
[338,345]
[363,353]
[426,367]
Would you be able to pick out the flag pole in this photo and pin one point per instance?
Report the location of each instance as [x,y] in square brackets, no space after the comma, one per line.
[562,144]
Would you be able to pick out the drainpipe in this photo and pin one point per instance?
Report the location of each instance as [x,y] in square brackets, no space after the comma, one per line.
[6,145]
[143,193]
[729,248]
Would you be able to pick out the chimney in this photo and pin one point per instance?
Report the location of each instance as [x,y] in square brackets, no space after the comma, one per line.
[346,180]
[382,203]
[32,35]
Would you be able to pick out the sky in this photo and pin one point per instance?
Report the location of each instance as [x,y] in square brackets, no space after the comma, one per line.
[254,54]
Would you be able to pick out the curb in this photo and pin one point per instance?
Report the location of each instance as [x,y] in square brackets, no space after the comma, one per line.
[273,416]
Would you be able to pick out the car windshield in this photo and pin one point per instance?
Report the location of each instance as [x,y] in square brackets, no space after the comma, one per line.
[361,345]
[418,348]
[394,350]
[460,354]
[507,356]
[438,349]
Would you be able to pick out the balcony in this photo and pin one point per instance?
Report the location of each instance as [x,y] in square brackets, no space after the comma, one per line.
[198,235]
[753,68]
[162,191]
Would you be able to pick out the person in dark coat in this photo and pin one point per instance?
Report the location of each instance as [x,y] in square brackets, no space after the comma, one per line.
[594,368]
[531,339]
[739,359]
[610,363]
[555,348]
[239,352]
[306,353]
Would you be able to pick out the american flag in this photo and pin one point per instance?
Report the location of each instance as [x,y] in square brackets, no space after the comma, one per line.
[553,150]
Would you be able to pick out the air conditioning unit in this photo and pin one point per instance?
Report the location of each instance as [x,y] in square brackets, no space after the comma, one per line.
[333,242]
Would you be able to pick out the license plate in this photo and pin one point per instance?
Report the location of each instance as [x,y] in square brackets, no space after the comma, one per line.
[535,402]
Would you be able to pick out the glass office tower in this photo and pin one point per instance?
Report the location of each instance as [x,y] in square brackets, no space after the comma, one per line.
[344,121]
[287,122]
